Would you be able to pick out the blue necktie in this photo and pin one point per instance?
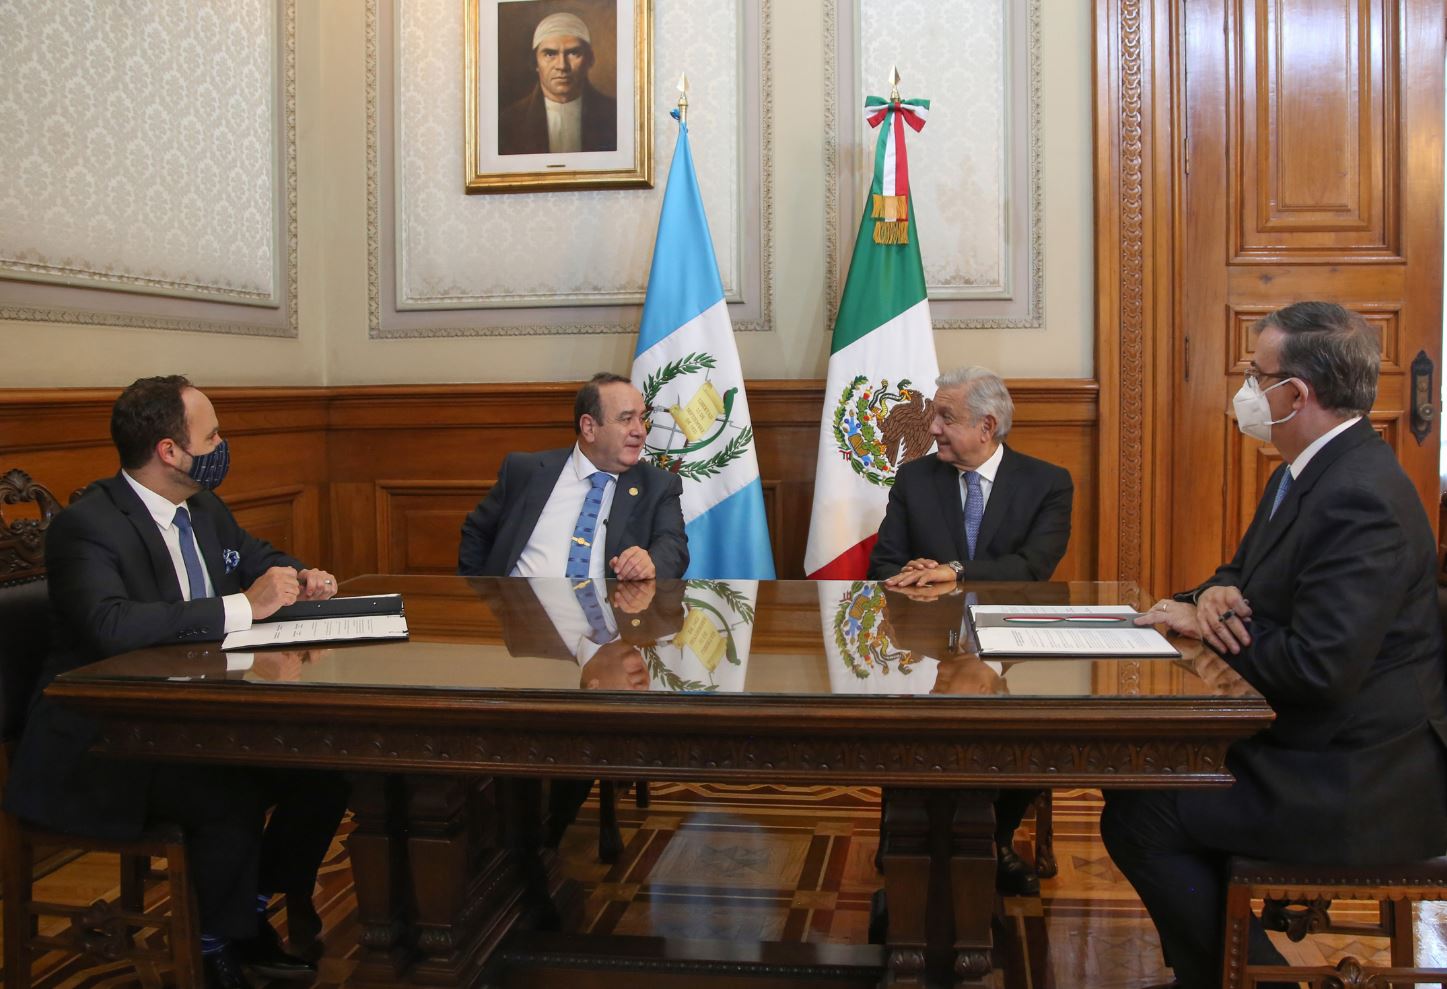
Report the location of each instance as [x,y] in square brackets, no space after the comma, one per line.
[1281,490]
[581,551]
[195,576]
[587,595]
[974,508]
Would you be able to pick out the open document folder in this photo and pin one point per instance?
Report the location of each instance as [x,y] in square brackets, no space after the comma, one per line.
[349,619]
[1065,630]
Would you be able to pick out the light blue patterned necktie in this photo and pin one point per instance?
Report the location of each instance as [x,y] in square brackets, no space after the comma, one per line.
[580,553]
[587,594]
[1281,490]
[195,576]
[974,508]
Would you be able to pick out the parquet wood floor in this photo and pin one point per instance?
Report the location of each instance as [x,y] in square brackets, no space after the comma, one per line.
[790,864]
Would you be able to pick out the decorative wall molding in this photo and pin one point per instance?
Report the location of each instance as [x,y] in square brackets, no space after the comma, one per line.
[746,256]
[77,291]
[1015,298]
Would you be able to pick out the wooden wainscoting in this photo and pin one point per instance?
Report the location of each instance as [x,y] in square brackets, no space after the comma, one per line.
[379,478]
[278,440]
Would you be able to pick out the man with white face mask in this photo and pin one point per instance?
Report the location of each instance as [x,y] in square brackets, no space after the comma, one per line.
[1329,609]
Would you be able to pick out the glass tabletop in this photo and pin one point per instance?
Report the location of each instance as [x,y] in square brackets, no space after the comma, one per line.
[718,638]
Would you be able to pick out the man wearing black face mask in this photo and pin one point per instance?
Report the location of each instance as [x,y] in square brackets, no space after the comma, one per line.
[149,557]
[1329,609]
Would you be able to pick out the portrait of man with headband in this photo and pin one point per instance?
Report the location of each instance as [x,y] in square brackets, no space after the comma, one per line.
[563,113]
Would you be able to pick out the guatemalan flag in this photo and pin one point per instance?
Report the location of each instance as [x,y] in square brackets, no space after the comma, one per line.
[687,367]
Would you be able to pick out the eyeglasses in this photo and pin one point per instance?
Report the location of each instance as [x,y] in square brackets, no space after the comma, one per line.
[1256,374]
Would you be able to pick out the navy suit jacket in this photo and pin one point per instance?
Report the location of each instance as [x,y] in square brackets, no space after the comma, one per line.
[113,588]
[1022,536]
[1347,648]
[497,530]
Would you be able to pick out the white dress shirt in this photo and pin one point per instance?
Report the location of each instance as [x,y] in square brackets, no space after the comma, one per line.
[546,553]
[163,511]
[566,613]
[565,125]
[987,472]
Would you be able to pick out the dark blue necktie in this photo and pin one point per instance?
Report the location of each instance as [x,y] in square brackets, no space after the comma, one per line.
[1281,490]
[195,576]
[974,508]
[587,595]
[580,553]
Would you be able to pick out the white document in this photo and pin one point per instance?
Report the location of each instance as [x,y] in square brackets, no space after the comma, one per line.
[1073,641]
[1052,609]
[279,635]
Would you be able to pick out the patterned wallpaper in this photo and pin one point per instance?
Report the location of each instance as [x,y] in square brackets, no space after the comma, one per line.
[556,248]
[139,148]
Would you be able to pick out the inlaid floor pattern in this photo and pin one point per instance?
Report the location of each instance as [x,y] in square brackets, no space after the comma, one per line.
[783,864]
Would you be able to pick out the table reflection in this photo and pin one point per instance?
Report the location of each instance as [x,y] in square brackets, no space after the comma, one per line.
[704,637]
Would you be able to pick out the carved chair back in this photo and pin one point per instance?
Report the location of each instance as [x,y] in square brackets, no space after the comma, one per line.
[24,602]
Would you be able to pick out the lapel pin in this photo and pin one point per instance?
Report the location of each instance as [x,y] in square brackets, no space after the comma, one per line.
[637,622]
[633,492]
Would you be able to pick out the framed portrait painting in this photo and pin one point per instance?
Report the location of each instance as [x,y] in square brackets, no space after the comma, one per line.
[559,94]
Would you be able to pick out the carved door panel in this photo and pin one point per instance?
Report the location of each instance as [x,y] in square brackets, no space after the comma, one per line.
[1312,168]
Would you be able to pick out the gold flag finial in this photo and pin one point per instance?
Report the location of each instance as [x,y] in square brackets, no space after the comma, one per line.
[893,84]
[683,97]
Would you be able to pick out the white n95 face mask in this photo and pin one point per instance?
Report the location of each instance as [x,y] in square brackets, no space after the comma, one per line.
[1253,411]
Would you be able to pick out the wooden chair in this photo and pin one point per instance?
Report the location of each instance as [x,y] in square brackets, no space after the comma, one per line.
[1296,901]
[105,930]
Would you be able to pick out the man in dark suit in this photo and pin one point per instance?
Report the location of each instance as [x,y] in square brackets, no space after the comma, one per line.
[1329,609]
[563,113]
[977,509]
[981,511]
[150,557]
[542,517]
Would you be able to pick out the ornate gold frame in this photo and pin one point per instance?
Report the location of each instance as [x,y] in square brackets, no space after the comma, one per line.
[639,175]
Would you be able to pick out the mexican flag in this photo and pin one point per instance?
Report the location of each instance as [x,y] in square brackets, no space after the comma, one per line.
[882,366]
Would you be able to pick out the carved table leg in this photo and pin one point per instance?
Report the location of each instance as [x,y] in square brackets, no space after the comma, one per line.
[468,891]
[378,852]
[972,885]
[906,858]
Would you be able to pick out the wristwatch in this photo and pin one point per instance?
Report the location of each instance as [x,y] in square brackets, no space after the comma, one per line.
[958,568]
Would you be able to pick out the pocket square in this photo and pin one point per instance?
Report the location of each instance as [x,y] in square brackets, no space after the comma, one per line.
[231,559]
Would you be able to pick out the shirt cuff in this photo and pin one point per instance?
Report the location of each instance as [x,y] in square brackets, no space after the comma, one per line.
[238,612]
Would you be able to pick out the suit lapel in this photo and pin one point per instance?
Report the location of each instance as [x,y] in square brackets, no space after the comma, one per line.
[540,487]
[947,488]
[1277,525]
[135,511]
[998,504]
[625,499]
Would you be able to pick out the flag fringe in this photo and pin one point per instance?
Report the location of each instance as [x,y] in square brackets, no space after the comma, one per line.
[886,232]
[891,207]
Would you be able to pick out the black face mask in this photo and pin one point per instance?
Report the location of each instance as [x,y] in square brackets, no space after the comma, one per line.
[209,469]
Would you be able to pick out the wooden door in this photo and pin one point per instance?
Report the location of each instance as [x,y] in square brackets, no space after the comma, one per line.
[1311,168]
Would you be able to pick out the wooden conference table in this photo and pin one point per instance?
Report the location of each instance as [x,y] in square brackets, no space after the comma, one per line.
[447,736]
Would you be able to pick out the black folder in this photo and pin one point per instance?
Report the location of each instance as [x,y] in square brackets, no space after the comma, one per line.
[364,604]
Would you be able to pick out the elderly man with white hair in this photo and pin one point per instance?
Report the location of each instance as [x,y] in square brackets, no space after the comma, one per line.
[977,510]
[563,113]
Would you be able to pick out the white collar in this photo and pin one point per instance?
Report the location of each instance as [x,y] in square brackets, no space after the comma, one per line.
[583,468]
[990,467]
[1299,464]
[162,509]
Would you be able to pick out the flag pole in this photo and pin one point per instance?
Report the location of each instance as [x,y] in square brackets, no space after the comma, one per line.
[683,98]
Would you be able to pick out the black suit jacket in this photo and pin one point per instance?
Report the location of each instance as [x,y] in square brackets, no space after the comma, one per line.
[1347,648]
[497,530]
[113,588]
[1022,536]
[522,127]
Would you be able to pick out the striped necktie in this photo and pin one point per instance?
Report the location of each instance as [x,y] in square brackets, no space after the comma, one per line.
[974,508]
